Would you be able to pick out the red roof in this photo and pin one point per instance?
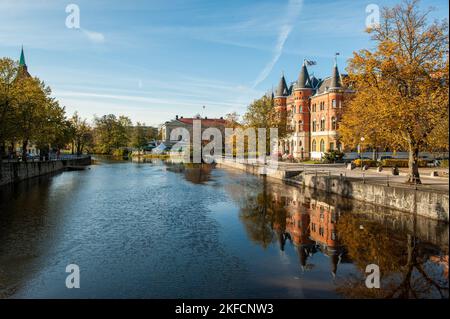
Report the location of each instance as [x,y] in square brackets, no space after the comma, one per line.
[205,122]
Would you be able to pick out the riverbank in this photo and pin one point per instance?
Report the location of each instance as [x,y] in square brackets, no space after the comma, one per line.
[431,203]
[12,172]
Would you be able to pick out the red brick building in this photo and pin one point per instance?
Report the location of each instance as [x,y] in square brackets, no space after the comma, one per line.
[312,109]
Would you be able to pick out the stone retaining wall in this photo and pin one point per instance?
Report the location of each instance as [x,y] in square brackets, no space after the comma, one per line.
[430,204]
[18,171]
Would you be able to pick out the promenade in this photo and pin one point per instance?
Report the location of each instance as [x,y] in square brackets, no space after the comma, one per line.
[429,199]
[436,183]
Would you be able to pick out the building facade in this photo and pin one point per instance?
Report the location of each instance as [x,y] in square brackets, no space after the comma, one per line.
[187,123]
[311,109]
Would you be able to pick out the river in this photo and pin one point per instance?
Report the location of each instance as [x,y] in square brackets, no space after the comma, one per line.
[160,230]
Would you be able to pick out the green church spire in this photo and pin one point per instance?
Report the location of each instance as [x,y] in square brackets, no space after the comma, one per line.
[22,58]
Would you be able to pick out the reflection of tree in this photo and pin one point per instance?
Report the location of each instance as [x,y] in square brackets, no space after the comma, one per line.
[263,216]
[194,173]
[405,267]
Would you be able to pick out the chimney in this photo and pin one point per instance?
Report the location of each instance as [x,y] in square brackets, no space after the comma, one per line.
[221,117]
[176,117]
[181,117]
[206,117]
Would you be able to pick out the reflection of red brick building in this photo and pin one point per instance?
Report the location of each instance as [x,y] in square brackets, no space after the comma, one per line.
[323,224]
[297,225]
[310,226]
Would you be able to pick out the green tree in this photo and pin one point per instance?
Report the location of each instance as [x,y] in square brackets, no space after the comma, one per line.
[82,133]
[31,114]
[139,138]
[8,73]
[111,133]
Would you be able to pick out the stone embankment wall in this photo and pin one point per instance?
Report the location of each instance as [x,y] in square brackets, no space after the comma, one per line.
[18,171]
[430,204]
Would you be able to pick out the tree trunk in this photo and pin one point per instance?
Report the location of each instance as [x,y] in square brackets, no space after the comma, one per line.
[24,150]
[413,165]
[12,150]
[2,152]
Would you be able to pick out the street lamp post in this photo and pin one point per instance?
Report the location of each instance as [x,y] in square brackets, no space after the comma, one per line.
[361,150]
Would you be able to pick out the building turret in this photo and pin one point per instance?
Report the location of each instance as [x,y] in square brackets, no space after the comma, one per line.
[335,78]
[304,82]
[282,89]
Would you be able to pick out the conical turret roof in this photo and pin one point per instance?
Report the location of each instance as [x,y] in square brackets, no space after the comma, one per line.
[282,89]
[336,78]
[304,82]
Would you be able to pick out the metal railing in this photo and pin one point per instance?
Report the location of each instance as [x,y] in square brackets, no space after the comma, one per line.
[51,157]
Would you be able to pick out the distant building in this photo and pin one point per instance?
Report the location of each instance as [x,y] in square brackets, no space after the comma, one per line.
[187,123]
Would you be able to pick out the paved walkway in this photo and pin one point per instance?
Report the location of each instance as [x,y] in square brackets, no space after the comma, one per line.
[440,184]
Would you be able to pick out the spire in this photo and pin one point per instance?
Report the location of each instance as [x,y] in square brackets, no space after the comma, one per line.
[282,89]
[23,69]
[335,78]
[22,58]
[303,78]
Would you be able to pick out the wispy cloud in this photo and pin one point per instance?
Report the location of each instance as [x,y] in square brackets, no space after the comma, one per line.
[93,36]
[293,10]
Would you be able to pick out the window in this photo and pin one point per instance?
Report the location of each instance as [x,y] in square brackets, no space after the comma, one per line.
[314,146]
[321,231]
[300,109]
[333,123]
[322,106]
[314,125]
[333,103]
[331,146]
[322,124]
[300,125]
[314,107]
[322,146]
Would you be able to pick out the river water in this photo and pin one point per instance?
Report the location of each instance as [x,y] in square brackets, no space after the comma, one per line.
[159,230]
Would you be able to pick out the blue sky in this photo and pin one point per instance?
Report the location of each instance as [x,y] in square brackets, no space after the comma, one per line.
[152,60]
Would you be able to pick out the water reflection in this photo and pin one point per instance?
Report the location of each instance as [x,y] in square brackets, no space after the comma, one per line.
[194,173]
[411,251]
[231,235]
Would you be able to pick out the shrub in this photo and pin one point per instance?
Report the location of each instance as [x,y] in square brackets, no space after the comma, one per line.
[391,162]
[332,156]
[443,163]
[371,163]
[120,152]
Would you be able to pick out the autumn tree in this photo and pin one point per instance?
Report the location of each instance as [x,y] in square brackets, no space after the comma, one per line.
[261,113]
[31,111]
[8,73]
[232,119]
[142,134]
[82,133]
[401,98]
[111,133]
